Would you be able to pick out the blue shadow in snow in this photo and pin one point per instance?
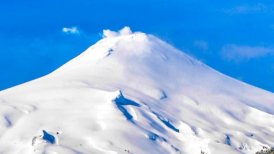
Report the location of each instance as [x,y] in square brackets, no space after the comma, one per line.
[8,122]
[125,112]
[166,122]
[153,123]
[154,137]
[48,137]
[164,95]
[120,101]
[228,140]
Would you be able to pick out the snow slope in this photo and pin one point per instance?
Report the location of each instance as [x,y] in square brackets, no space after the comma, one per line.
[133,93]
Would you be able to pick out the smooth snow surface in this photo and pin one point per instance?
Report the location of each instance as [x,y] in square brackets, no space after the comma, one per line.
[132,93]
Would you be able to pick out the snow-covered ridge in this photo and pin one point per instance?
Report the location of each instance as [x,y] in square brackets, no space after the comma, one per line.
[133,93]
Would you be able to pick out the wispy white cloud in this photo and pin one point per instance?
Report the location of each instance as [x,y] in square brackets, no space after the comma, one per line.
[109,33]
[201,44]
[124,31]
[247,8]
[70,30]
[238,53]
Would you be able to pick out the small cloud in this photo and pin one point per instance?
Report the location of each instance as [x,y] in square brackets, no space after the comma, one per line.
[109,33]
[241,52]
[70,30]
[124,31]
[201,44]
[244,9]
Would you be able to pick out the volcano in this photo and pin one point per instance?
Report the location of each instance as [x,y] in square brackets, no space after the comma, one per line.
[132,93]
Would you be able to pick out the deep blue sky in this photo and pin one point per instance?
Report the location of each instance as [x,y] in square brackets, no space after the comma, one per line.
[235,37]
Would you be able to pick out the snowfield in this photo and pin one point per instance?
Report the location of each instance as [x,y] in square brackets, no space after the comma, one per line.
[132,93]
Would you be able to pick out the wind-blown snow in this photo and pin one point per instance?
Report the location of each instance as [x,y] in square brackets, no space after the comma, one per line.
[133,93]
[124,31]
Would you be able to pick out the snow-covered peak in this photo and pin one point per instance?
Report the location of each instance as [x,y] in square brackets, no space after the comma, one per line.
[138,57]
[134,93]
